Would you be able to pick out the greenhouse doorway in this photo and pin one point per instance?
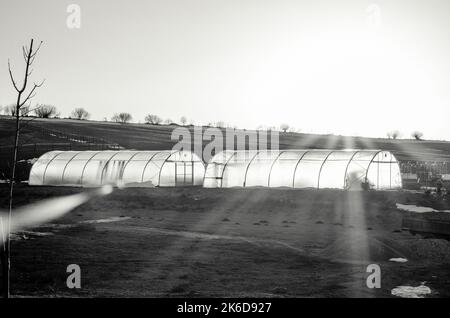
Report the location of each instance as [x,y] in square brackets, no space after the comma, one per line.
[184,173]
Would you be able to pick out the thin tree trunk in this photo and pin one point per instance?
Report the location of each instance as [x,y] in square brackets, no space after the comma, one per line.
[6,262]
[6,251]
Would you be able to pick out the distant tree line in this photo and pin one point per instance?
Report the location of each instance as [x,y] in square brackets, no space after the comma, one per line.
[39,110]
[152,119]
[395,134]
[50,111]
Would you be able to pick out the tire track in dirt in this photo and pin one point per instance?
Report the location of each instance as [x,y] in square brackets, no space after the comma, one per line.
[261,242]
[209,236]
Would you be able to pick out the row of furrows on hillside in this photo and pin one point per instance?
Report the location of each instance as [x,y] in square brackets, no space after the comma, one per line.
[73,138]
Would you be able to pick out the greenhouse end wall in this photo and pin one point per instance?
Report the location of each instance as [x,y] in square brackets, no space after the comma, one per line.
[341,169]
[138,168]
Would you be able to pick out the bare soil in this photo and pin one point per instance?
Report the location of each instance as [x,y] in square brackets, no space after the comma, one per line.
[168,242]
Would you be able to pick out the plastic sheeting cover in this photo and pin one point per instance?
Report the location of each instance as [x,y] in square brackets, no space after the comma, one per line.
[94,168]
[341,169]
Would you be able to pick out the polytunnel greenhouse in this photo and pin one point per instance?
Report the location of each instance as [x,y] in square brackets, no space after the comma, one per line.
[137,168]
[342,169]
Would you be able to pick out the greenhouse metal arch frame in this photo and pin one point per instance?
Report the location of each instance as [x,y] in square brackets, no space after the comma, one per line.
[94,168]
[352,167]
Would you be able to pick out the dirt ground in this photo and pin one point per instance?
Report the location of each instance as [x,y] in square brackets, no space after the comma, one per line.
[194,242]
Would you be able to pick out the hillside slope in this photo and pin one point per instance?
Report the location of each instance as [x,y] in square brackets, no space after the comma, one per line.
[158,137]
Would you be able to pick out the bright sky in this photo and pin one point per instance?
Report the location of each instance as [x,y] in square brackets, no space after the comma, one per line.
[346,67]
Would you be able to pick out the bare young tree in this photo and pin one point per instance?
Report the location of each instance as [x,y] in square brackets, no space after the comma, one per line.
[122,118]
[168,121]
[80,113]
[29,55]
[153,119]
[183,120]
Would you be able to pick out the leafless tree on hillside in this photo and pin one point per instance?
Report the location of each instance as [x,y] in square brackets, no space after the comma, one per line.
[122,118]
[80,113]
[183,120]
[153,119]
[46,111]
[417,135]
[284,127]
[23,97]
[10,110]
[393,134]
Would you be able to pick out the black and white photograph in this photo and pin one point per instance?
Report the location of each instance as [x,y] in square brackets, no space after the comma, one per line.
[199,151]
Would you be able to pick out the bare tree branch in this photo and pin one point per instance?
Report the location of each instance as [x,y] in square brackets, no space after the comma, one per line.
[37,50]
[29,110]
[12,77]
[32,93]
[33,56]
[24,53]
